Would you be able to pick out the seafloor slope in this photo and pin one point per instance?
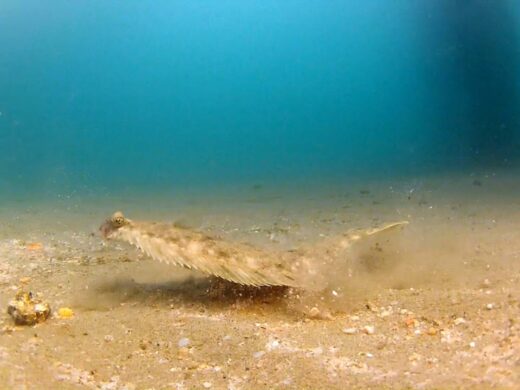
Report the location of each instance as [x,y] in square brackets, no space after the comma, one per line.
[442,311]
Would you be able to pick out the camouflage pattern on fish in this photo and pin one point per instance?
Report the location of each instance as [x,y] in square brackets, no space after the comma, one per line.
[235,262]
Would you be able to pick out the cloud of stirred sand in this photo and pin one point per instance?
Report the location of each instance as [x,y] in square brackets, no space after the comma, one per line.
[413,257]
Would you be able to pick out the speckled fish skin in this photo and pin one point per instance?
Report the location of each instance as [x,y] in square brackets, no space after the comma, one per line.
[239,263]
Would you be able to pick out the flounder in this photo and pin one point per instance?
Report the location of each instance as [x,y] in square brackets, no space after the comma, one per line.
[235,262]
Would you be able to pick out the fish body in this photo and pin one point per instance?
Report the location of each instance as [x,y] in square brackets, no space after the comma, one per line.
[239,263]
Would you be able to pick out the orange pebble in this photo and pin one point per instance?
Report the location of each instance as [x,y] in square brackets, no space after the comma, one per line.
[410,322]
[34,246]
[65,312]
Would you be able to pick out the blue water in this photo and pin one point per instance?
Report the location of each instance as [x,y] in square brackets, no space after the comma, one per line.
[156,94]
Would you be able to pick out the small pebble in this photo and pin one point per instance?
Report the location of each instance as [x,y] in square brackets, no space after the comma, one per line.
[108,338]
[314,312]
[472,344]
[459,321]
[207,385]
[184,342]
[34,246]
[349,330]
[272,344]
[490,306]
[411,322]
[369,329]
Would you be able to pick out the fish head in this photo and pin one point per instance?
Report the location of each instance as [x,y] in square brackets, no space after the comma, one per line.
[113,224]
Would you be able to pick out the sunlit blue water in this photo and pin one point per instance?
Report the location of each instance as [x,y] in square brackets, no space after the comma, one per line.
[141,94]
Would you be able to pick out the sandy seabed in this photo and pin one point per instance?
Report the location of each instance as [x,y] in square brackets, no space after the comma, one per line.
[443,310]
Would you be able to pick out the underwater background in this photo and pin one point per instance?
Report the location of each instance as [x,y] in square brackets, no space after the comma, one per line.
[362,156]
[100,96]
